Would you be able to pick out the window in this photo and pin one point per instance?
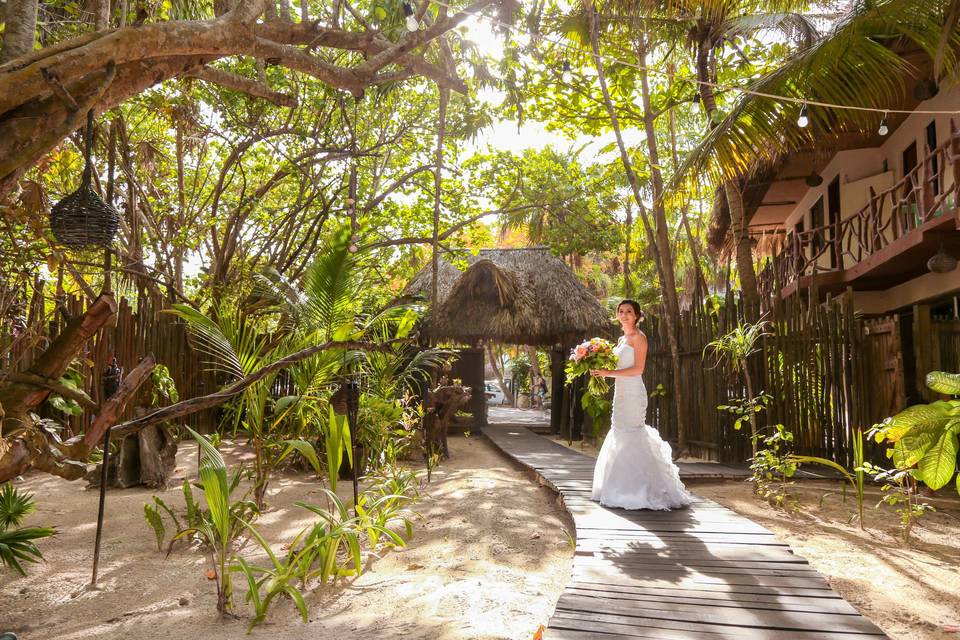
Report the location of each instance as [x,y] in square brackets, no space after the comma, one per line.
[934,162]
[816,226]
[833,219]
[909,164]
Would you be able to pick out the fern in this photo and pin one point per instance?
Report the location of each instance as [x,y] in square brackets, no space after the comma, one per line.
[152,516]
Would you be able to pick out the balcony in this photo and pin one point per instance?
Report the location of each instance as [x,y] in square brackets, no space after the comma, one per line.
[885,243]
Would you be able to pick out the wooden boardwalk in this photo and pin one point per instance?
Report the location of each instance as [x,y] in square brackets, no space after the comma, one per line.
[701,572]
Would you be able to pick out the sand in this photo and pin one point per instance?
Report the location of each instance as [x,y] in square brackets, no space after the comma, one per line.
[488,560]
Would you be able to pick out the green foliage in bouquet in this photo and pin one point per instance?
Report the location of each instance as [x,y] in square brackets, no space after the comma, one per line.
[596,353]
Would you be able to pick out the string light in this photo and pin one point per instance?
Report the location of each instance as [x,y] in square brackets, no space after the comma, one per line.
[567,73]
[803,120]
[411,18]
[883,130]
[702,83]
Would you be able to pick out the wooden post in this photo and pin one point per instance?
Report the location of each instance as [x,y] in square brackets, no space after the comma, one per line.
[923,349]
[557,360]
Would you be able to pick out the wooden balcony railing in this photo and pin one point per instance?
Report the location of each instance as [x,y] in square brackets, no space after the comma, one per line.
[916,199]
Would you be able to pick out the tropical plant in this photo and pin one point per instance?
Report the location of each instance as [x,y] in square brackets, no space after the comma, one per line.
[266,583]
[899,487]
[737,347]
[219,531]
[386,501]
[164,386]
[16,542]
[520,371]
[773,467]
[925,436]
[72,380]
[853,64]
[236,347]
[194,519]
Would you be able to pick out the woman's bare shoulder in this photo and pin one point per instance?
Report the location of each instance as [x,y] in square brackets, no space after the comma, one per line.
[638,339]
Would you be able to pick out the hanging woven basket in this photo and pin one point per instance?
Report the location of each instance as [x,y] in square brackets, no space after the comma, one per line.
[83,219]
[942,262]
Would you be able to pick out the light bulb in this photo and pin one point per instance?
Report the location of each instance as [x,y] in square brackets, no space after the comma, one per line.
[803,120]
[883,130]
[411,18]
[696,103]
[567,73]
[352,248]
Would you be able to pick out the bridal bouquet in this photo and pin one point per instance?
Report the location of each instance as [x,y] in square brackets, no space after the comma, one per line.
[595,353]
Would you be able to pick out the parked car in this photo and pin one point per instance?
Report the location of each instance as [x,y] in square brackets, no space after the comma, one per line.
[493,392]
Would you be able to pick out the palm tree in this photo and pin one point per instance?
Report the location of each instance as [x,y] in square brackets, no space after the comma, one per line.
[707,26]
[855,64]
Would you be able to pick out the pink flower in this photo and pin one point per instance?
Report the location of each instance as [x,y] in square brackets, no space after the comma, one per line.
[580,352]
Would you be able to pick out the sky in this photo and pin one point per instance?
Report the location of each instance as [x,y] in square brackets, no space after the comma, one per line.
[504,135]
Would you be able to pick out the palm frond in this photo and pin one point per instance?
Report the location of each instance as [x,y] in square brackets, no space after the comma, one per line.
[854,65]
[330,285]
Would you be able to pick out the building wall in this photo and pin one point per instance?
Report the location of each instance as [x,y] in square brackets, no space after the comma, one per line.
[927,287]
[859,170]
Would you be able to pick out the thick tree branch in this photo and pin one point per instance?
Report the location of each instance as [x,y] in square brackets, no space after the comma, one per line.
[417,39]
[55,386]
[114,405]
[244,85]
[187,407]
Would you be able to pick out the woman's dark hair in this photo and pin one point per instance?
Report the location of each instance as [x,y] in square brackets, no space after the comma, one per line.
[635,306]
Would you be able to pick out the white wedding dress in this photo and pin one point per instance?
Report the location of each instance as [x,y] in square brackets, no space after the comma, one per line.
[635,467]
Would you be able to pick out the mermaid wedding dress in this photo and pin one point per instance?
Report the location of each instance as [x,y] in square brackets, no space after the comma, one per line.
[635,468]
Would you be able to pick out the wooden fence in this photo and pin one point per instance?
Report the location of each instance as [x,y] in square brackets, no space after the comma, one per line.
[136,333]
[828,372]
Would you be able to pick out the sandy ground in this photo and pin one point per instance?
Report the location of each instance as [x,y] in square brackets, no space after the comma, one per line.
[489,560]
[911,591]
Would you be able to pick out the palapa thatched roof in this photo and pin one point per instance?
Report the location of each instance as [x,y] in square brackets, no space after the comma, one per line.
[513,296]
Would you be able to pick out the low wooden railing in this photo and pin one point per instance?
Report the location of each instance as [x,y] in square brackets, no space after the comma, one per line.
[917,198]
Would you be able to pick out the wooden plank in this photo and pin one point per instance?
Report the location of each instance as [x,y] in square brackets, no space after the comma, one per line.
[707,597]
[675,629]
[699,572]
[729,616]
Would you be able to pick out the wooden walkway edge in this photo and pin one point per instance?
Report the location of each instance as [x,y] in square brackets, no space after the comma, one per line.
[701,572]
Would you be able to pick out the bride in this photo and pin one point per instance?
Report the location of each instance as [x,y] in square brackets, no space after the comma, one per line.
[635,469]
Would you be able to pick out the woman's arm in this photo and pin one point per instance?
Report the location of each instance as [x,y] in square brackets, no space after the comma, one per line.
[639,345]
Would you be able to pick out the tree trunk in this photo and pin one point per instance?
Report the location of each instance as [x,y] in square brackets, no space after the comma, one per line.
[627,284]
[495,365]
[20,29]
[658,238]
[437,177]
[20,398]
[743,252]
[101,13]
[741,235]
[691,240]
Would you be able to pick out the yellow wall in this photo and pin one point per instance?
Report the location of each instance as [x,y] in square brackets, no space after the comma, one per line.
[929,286]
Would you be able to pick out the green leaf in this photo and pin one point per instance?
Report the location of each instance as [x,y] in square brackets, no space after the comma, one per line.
[936,414]
[153,518]
[915,444]
[213,477]
[343,332]
[943,382]
[306,450]
[937,466]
